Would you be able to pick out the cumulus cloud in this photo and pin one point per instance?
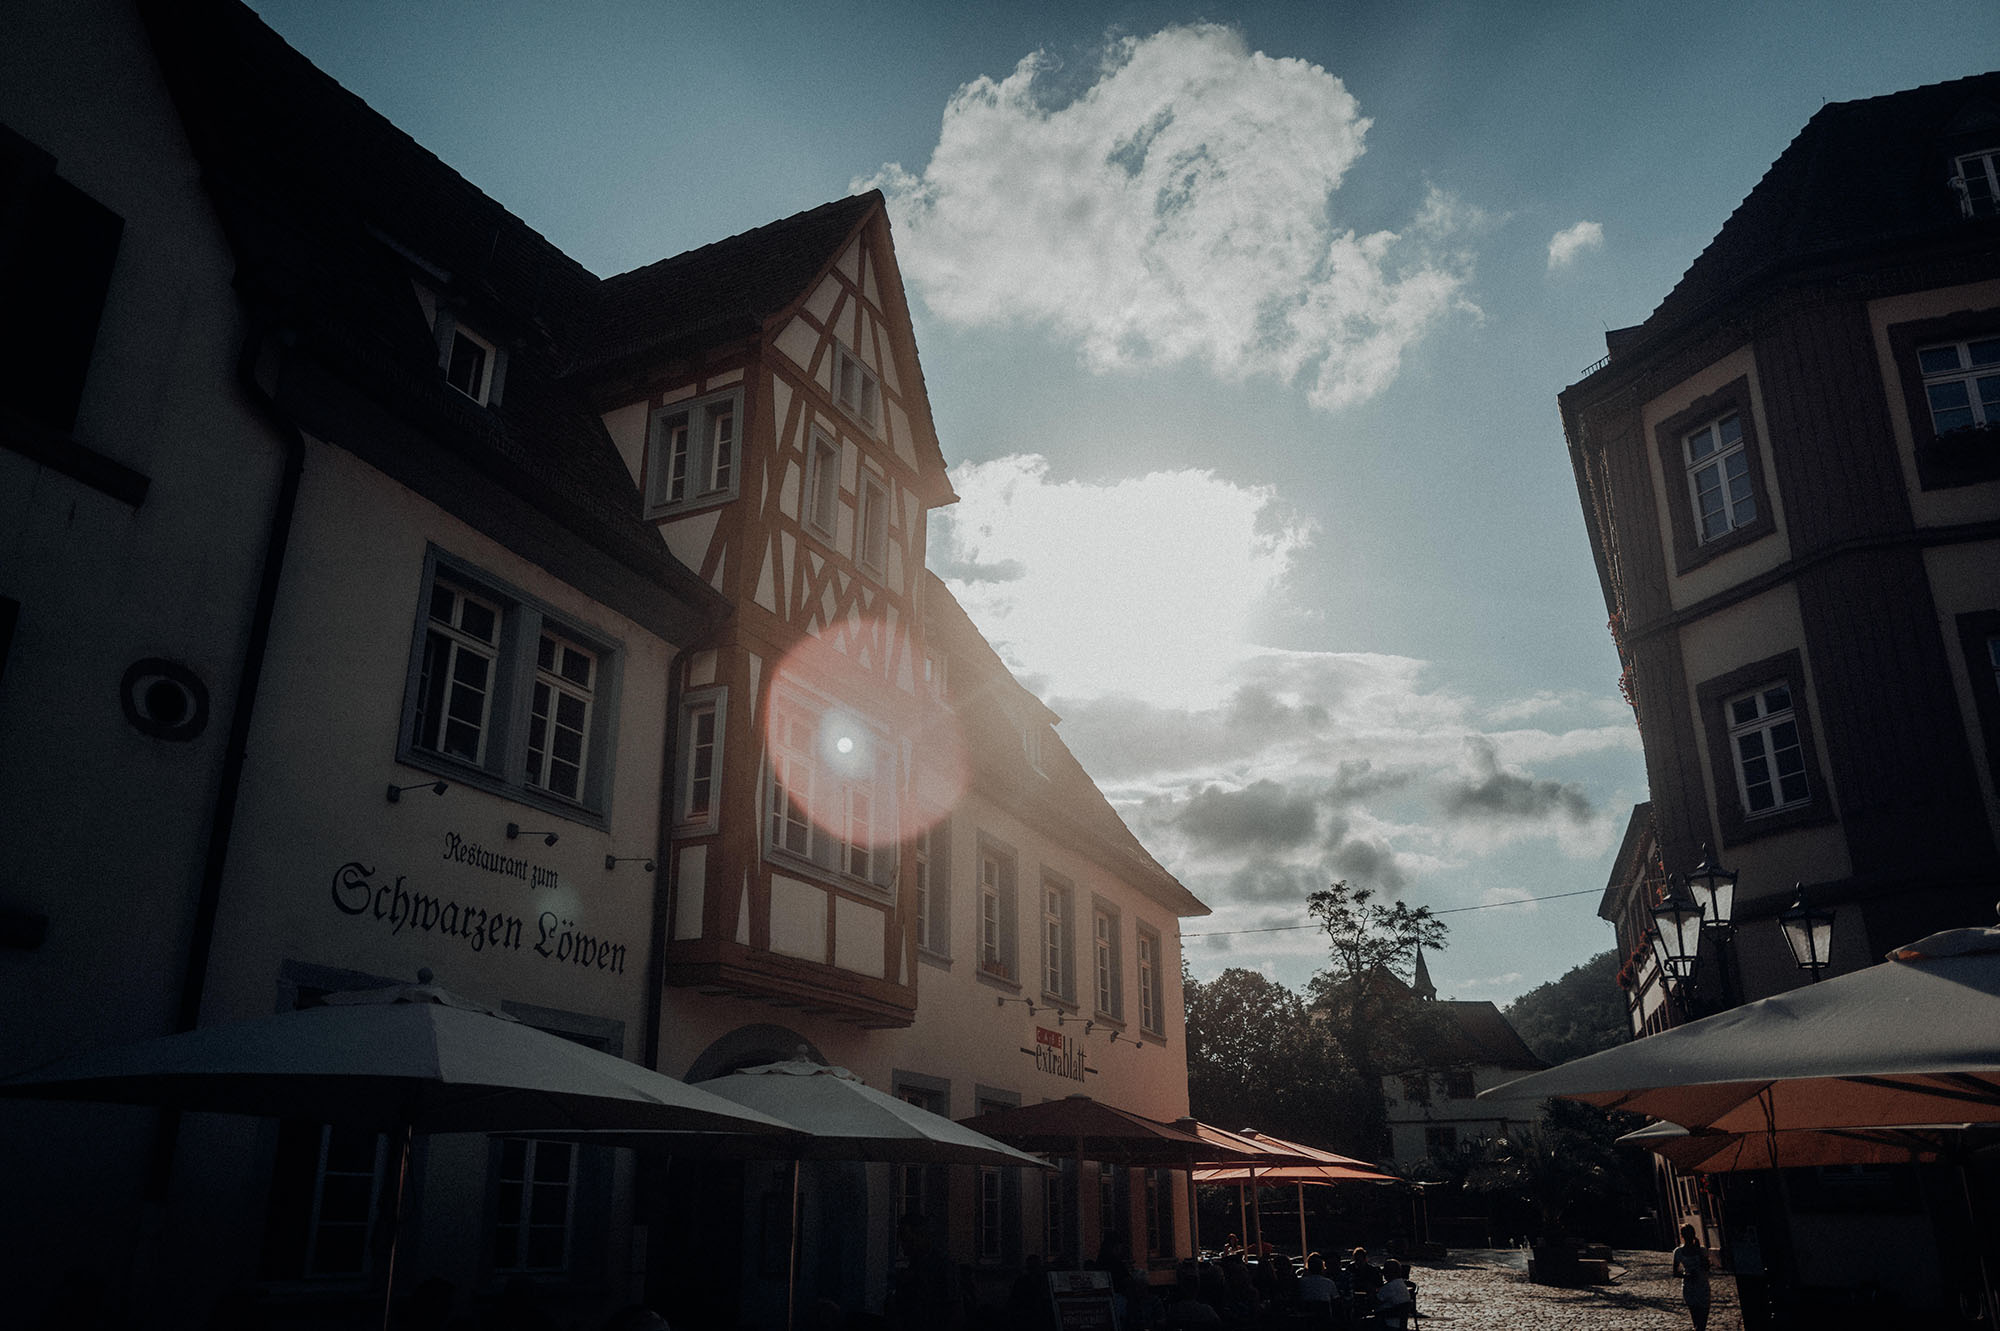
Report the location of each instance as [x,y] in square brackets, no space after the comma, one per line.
[1178,208]
[1566,244]
[1261,814]
[1486,792]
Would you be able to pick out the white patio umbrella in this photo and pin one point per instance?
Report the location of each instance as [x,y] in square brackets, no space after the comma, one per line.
[1914,1040]
[403,1060]
[834,1116]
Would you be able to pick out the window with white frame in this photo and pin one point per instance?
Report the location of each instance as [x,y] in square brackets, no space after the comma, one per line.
[1718,477]
[1107,962]
[996,910]
[830,782]
[1058,944]
[1962,383]
[535,1205]
[822,497]
[1149,981]
[874,551]
[506,694]
[1770,759]
[856,387]
[921,1190]
[559,715]
[699,764]
[330,1237]
[991,1228]
[1977,183]
[469,363]
[694,451]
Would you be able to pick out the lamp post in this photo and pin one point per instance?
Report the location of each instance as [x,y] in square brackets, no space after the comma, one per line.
[1808,932]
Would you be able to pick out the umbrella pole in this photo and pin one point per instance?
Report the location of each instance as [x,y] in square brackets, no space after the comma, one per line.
[1076,1198]
[1194,1217]
[402,1165]
[1302,1218]
[1257,1213]
[1980,1240]
[792,1249]
[1242,1215]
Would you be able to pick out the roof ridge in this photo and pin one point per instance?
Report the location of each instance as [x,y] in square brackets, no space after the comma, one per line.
[742,236]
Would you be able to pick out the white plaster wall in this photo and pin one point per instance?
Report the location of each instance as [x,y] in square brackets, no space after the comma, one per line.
[325,749]
[1748,631]
[1727,570]
[1965,503]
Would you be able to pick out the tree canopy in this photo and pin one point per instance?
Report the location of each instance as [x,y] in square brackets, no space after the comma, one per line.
[1578,1014]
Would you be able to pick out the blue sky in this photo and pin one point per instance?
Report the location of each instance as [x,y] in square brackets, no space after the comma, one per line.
[1243,326]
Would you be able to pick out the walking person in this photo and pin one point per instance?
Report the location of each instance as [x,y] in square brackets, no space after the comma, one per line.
[1691,1265]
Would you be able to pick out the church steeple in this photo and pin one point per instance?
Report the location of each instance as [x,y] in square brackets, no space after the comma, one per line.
[1421,985]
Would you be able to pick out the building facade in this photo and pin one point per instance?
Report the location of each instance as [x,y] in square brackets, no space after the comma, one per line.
[1792,489]
[383,592]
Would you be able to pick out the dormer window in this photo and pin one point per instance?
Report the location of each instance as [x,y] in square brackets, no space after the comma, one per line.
[858,390]
[694,452]
[1977,183]
[1031,745]
[469,364]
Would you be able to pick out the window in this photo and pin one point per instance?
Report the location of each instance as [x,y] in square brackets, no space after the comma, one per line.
[1058,947]
[1961,383]
[856,387]
[535,1205]
[1768,750]
[326,1196]
[694,453]
[1950,372]
[1718,473]
[996,911]
[1441,1141]
[830,778]
[559,718]
[56,256]
[1416,1087]
[992,1216]
[1106,970]
[874,525]
[1159,1217]
[505,695]
[1031,744]
[469,363]
[1149,982]
[823,487]
[1977,183]
[934,672]
[921,1190]
[933,860]
[1710,461]
[1760,749]
[1458,1084]
[699,766]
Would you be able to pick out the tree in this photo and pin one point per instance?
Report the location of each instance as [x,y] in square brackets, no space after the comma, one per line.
[1366,1006]
[1579,1014]
[1257,1059]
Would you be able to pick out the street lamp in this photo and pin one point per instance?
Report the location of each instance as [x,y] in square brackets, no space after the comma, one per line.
[1808,932]
[1677,921]
[1714,889]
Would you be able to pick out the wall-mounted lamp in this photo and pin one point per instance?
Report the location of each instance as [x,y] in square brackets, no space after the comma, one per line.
[436,788]
[548,838]
[1003,1002]
[613,861]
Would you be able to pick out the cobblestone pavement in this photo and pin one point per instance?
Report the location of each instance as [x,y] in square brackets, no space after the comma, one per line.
[1490,1291]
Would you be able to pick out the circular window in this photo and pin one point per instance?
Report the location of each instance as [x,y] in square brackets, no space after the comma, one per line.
[165,699]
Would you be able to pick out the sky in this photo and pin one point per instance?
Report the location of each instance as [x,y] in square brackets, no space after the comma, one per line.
[1242,326]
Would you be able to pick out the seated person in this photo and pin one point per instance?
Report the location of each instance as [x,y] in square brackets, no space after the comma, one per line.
[1396,1300]
[1316,1287]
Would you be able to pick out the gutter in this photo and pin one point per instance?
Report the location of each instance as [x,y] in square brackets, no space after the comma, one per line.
[222,821]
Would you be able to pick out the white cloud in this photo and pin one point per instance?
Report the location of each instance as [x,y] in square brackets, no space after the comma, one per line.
[1565,245]
[1178,209]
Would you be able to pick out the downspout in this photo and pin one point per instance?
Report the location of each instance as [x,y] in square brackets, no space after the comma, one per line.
[194,979]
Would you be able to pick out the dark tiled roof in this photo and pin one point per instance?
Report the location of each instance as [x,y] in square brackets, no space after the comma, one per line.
[1861,175]
[1061,800]
[722,290]
[1479,1034]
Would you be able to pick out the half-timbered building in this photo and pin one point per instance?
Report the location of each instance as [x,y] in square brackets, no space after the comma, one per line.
[384,591]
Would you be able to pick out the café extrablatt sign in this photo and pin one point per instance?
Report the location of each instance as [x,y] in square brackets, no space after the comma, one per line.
[1058,1055]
